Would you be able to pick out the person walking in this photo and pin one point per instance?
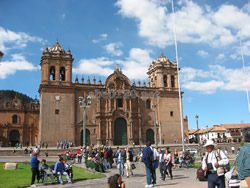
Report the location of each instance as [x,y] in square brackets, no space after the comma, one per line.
[243,160]
[34,164]
[162,164]
[148,158]
[129,159]
[120,162]
[155,164]
[169,162]
[213,164]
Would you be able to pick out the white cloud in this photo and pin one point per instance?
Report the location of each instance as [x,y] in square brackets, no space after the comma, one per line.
[17,63]
[221,56]
[100,38]
[208,87]
[14,40]
[114,48]
[216,78]
[194,23]
[135,66]
[98,66]
[202,53]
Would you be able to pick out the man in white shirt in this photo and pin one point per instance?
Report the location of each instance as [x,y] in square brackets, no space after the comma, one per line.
[213,164]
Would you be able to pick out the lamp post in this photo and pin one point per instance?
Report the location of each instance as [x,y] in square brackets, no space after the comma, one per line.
[84,103]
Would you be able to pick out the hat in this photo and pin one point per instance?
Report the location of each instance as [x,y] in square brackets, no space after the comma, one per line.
[209,143]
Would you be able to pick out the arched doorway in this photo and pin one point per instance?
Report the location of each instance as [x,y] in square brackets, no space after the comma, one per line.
[14,137]
[120,132]
[150,136]
[87,137]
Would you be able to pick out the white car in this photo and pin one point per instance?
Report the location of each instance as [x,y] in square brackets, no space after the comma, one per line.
[192,150]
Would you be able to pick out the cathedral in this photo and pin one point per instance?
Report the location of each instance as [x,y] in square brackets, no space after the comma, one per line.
[118,112]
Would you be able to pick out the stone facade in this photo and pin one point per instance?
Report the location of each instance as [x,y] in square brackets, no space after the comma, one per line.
[120,113]
[19,119]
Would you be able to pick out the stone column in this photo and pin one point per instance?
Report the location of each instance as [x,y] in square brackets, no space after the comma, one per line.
[140,127]
[57,72]
[110,133]
[169,80]
[98,139]
[107,130]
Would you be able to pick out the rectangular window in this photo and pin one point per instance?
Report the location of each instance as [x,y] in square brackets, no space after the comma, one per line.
[57,111]
[171,113]
[119,102]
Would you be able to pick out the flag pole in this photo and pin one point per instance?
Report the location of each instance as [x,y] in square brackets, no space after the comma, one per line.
[178,78]
[244,69]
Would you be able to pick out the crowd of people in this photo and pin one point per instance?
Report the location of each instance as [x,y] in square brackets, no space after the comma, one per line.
[217,169]
[215,164]
[41,170]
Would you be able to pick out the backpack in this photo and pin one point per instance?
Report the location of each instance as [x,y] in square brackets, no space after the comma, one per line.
[201,174]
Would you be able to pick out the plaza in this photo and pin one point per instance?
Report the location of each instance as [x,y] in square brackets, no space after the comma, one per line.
[183,177]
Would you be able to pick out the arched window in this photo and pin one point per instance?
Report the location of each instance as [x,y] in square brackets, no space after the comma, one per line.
[172,81]
[165,81]
[62,74]
[52,73]
[15,119]
[148,104]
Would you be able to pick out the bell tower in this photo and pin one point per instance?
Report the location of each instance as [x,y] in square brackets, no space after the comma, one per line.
[162,74]
[56,66]
[57,100]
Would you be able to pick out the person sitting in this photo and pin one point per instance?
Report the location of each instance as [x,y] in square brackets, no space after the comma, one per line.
[59,170]
[45,171]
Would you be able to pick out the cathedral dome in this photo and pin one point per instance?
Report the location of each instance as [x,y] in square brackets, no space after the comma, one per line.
[117,80]
[57,48]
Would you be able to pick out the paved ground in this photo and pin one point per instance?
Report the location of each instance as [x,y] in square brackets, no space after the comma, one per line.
[182,177]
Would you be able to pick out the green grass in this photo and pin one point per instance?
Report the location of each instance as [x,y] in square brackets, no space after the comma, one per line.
[21,177]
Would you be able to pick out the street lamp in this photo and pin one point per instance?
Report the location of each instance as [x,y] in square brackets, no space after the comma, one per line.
[84,103]
[197,121]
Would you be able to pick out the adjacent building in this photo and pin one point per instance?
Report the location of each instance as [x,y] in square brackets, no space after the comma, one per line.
[19,119]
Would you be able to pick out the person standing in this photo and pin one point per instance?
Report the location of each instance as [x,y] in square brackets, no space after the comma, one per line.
[243,160]
[212,163]
[169,162]
[34,164]
[148,158]
[155,164]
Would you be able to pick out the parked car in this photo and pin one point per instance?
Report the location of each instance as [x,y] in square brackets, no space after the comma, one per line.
[192,150]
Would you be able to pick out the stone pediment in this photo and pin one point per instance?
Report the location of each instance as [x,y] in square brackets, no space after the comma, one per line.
[117,81]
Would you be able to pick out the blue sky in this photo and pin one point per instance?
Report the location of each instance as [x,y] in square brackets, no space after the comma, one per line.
[101,34]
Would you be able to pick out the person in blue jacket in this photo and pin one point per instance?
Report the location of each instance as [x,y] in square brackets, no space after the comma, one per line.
[148,158]
[60,170]
[34,164]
